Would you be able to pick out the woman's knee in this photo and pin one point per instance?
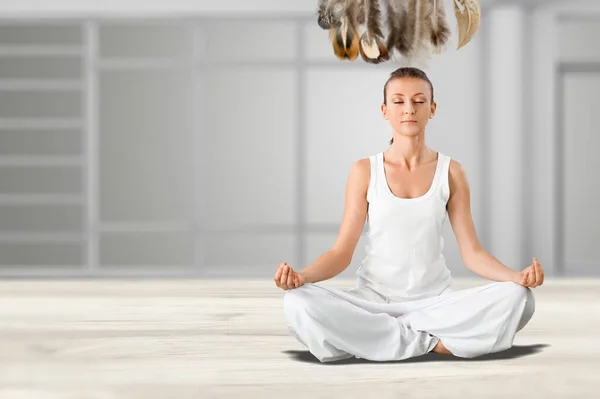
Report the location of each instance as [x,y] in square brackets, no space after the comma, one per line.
[297,300]
[298,310]
[529,308]
[516,291]
[521,295]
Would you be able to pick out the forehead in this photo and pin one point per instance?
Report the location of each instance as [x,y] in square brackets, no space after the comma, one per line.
[408,86]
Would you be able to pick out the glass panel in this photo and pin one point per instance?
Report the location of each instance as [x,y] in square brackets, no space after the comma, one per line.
[40,68]
[41,254]
[581,186]
[28,180]
[146,41]
[40,104]
[40,218]
[146,249]
[577,40]
[250,157]
[40,35]
[247,254]
[249,41]
[39,142]
[146,148]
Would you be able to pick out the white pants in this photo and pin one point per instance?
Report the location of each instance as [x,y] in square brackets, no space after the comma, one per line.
[337,324]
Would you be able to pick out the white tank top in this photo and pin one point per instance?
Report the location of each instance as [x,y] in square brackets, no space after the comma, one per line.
[404,259]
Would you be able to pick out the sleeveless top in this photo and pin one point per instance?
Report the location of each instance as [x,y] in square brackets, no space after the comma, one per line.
[404,259]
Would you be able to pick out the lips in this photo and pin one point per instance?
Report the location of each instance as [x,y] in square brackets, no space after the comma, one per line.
[411,121]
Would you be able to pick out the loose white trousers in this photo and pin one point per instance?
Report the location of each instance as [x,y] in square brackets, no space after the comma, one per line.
[337,324]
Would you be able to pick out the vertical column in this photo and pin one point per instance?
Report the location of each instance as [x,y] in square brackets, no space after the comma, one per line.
[527,140]
[199,223]
[483,228]
[506,102]
[545,153]
[301,169]
[90,147]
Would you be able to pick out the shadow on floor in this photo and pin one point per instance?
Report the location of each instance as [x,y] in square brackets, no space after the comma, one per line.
[515,352]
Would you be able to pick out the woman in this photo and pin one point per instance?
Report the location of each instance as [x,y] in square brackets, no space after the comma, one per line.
[403,305]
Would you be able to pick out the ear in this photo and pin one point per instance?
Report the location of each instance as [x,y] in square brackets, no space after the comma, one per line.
[433,108]
[384,111]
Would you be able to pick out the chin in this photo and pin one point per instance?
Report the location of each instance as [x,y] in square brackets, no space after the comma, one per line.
[410,132]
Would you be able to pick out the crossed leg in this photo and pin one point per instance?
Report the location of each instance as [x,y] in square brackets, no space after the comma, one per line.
[465,323]
[334,328]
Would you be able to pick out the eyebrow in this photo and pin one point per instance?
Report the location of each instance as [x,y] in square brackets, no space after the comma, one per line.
[400,94]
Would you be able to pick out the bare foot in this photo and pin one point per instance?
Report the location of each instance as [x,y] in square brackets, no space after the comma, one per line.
[441,349]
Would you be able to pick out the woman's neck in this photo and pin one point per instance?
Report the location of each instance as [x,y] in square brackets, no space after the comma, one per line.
[409,152]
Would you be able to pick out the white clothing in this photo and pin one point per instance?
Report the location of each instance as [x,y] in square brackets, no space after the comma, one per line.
[403,302]
[404,246]
[336,324]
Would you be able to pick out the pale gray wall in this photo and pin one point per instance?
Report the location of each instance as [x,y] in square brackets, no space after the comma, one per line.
[221,146]
[579,122]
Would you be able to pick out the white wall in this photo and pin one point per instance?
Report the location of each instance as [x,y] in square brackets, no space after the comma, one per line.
[112,8]
[565,64]
[578,126]
[212,148]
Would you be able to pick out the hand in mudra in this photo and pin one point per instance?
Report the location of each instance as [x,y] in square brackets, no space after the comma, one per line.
[286,278]
[532,276]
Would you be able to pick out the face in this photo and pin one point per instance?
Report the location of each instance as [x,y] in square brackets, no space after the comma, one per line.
[409,105]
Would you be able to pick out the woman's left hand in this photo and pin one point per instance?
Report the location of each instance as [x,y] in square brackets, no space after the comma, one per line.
[532,276]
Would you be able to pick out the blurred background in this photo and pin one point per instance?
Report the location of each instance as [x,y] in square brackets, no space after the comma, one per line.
[214,138]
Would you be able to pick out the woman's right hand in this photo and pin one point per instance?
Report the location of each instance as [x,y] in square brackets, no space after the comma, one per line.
[286,278]
[532,276]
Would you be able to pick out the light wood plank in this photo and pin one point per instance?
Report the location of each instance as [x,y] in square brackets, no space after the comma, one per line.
[185,338]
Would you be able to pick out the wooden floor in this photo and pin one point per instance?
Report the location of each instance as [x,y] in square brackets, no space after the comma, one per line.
[227,339]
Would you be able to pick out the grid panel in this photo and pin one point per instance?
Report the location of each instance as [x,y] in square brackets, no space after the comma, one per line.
[41,162]
[92,64]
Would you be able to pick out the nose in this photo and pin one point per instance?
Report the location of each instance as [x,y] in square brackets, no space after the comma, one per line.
[409,109]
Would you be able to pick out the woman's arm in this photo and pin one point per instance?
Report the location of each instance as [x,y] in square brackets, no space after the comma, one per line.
[475,258]
[338,258]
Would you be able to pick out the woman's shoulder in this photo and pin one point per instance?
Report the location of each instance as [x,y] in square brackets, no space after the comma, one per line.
[365,162]
[361,168]
[454,165]
[359,178]
[360,171]
[457,176]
